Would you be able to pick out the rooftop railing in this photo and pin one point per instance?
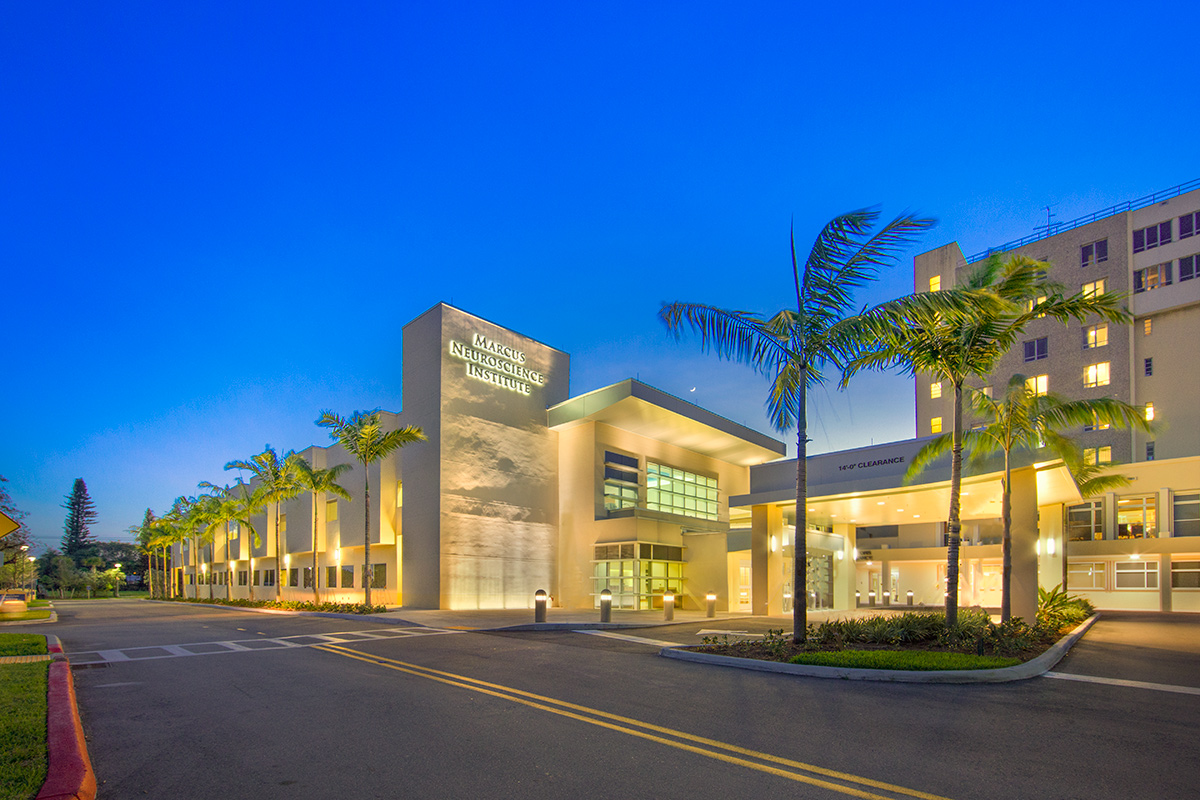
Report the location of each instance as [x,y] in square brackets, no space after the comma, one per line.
[1056,228]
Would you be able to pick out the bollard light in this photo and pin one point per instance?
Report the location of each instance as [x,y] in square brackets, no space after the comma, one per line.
[887,598]
[668,606]
[857,598]
[910,597]
[710,600]
[871,597]
[606,606]
[539,605]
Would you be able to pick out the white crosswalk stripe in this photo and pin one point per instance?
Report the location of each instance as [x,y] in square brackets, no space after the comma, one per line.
[154,652]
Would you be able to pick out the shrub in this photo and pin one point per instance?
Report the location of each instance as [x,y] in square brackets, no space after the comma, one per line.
[1057,609]
[903,659]
[289,605]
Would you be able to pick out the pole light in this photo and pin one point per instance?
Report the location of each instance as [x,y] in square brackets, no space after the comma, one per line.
[605,606]
[539,605]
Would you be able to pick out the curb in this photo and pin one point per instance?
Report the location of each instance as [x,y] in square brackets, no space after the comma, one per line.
[69,775]
[1030,669]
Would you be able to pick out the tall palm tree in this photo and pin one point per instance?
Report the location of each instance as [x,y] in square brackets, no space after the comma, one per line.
[277,482]
[363,436]
[959,347]
[793,346]
[318,482]
[1023,420]
[232,505]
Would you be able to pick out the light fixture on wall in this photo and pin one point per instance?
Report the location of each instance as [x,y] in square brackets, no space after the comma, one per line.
[1049,547]
[774,544]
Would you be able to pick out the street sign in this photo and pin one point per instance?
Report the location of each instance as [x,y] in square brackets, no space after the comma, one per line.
[7,524]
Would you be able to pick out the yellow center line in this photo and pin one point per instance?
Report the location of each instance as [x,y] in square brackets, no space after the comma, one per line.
[567,709]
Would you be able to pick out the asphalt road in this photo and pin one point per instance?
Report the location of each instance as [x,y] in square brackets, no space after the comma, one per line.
[233,704]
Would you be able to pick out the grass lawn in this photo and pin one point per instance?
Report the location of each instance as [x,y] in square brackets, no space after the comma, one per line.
[125,594]
[39,603]
[22,718]
[903,659]
[37,613]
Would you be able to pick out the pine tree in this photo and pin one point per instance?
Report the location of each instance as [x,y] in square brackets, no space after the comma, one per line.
[78,542]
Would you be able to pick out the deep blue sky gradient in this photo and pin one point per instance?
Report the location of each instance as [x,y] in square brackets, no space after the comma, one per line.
[216,217]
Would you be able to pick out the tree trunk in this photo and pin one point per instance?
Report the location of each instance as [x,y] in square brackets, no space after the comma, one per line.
[800,535]
[954,526]
[1006,543]
[367,534]
[316,591]
[278,558]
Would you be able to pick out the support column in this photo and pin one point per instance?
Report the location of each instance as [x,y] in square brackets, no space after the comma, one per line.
[1024,577]
[765,522]
[1164,582]
[844,567]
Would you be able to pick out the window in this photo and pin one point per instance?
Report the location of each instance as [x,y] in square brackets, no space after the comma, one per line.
[1185,574]
[1096,375]
[621,480]
[331,510]
[1095,425]
[1037,349]
[1189,224]
[378,576]
[1187,515]
[935,390]
[1095,336]
[1189,267]
[676,491]
[637,573]
[935,425]
[1149,412]
[935,283]
[308,577]
[1038,385]
[331,577]
[256,574]
[1093,289]
[241,577]
[1093,456]
[1148,366]
[1147,326]
[1150,278]
[268,577]
[1151,237]
[1085,575]
[1137,574]
[1030,305]
[986,391]
[348,576]
[1149,451]
[399,494]
[1093,253]
[1085,522]
[1137,517]
[293,577]
[618,496]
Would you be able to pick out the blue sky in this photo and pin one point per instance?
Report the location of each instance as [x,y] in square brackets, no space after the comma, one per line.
[217,217]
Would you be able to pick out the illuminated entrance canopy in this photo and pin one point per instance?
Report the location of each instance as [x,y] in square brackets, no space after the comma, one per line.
[498,364]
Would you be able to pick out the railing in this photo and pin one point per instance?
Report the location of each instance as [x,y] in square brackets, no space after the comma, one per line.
[1056,228]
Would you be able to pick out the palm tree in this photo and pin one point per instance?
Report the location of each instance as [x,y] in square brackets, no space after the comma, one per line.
[1022,419]
[317,482]
[232,505]
[363,437]
[958,347]
[792,347]
[277,483]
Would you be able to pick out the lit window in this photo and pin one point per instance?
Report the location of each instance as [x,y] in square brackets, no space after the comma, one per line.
[1151,237]
[1096,375]
[1093,253]
[935,390]
[987,391]
[935,283]
[1095,336]
[1096,425]
[1149,412]
[1038,384]
[676,491]
[1147,326]
[1032,304]
[1093,456]
[331,511]
[1156,277]
[1037,349]
[935,425]
[1085,521]
[1093,289]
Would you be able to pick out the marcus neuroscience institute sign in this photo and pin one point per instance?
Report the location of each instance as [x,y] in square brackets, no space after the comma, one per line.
[498,364]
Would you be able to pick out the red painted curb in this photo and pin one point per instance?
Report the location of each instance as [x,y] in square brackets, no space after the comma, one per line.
[70,775]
